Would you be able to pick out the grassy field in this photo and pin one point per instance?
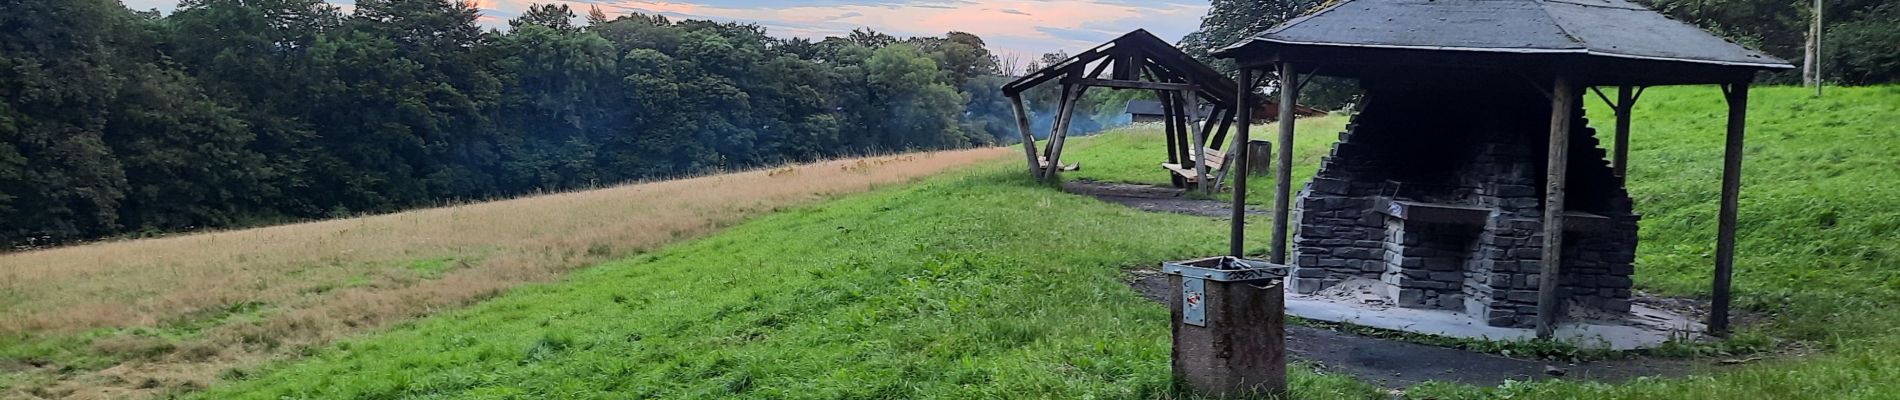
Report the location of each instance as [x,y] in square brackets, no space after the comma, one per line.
[979,284]
[130,317]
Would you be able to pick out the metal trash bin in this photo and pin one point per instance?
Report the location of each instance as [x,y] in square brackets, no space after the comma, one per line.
[1229,326]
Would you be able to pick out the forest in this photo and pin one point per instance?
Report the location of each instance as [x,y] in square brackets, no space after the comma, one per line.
[229,113]
[241,112]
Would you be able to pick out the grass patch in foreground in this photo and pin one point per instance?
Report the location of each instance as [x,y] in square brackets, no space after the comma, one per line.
[175,310]
[979,285]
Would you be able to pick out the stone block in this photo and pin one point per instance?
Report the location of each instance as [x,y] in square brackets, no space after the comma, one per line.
[1448,276]
[1523,296]
[1411,298]
[1622,269]
[1527,253]
[1615,305]
[1412,262]
[1328,186]
[1515,191]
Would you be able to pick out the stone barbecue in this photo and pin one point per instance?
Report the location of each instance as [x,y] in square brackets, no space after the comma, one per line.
[1436,192]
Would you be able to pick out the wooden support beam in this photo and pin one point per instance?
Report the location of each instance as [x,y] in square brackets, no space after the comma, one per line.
[1737,95]
[1121,84]
[1238,238]
[1175,156]
[1231,162]
[1625,102]
[1062,132]
[1061,103]
[1206,122]
[1562,102]
[1189,106]
[1029,139]
[1226,115]
[1283,172]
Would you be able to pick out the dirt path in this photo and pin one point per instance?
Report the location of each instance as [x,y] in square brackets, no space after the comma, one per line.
[1153,198]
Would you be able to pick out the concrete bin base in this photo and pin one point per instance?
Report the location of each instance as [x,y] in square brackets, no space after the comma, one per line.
[1236,346]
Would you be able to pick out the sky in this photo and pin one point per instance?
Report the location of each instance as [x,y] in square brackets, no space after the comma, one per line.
[1023,28]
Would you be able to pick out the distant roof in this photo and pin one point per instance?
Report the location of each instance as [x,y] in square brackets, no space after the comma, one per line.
[1605,28]
[1143,48]
[1145,107]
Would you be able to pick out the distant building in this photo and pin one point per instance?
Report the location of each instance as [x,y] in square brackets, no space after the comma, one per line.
[1140,111]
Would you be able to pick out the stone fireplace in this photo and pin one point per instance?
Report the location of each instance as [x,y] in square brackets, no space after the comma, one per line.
[1436,193]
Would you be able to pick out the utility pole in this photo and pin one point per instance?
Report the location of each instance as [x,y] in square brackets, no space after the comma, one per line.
[1811,70]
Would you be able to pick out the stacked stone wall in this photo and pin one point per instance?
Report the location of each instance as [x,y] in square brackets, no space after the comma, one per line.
[1491,270]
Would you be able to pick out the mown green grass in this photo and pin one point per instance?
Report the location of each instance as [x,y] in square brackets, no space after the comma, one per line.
[981,285]
[975,285]
[1135,154]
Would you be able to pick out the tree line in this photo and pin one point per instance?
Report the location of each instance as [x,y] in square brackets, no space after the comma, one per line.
[239,112]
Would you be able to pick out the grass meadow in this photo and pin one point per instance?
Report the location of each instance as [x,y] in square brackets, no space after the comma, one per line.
[134,317]
[981,284]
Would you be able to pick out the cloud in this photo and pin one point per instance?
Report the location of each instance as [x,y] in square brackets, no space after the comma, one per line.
[1024,28]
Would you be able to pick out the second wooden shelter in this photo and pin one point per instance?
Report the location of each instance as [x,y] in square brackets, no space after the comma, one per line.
[1139,60]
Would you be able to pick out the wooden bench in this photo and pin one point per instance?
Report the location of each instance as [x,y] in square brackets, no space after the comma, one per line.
[1043,162]
[1215,159]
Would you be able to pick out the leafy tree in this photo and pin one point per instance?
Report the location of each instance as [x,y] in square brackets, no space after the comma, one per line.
[1862,51]
[553,16]
[234,112]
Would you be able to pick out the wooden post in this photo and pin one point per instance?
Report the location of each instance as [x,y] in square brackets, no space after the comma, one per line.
[1061,104]
[1261,163]
[1191,106]
[1029,140]
[1175,156]
[1563,100]
[1226,121]
[1737,95]
[1283,173]
[1625,101]
[1178,116]
[1231,162]
[1243,112]
[1062,134]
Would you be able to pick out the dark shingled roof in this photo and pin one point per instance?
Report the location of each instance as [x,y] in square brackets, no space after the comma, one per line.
[1605,28]
[1145,107]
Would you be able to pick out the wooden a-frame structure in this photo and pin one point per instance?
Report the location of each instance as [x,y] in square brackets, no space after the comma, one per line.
[1140,61]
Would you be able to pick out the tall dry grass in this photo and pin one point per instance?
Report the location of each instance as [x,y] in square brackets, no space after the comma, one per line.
[255,293]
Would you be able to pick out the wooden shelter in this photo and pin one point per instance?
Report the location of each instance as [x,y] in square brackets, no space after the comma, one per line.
[1140,61]
[1434,50]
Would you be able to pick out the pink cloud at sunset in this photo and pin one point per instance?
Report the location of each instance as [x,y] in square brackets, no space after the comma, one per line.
[1024,28]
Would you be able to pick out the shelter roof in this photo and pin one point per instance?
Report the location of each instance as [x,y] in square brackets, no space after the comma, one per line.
[1130,54]
[1613,29]
[1145,107]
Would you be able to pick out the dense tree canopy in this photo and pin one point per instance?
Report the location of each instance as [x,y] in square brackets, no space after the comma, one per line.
[231,112]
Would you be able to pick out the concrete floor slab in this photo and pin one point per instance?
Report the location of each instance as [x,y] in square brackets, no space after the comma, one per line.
[1645,327]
